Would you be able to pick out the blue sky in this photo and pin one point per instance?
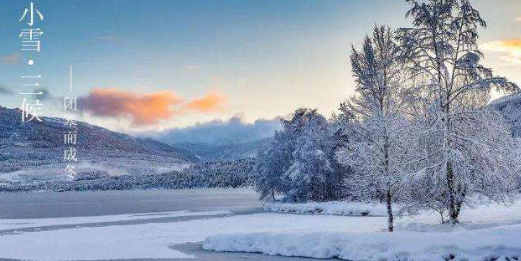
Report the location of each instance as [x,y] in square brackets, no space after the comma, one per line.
[266,58]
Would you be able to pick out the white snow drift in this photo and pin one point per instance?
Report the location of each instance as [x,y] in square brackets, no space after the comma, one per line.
[475,245]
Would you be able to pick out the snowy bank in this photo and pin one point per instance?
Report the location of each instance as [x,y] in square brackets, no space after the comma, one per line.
[503,243]
[329,208]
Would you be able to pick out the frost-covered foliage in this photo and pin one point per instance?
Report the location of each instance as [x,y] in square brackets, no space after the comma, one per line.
[311,172]
[300,162]
[270,168]
[231,173]
[510,108]
[379,147]
[484,162]
[464,149]
[341,208]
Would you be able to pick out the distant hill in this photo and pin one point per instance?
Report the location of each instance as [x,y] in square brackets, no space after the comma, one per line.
[49,134]
[217,152]
[510,108]
[25,146]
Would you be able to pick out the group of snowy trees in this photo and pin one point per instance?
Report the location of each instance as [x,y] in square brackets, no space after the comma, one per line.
[300,163]
[418,132]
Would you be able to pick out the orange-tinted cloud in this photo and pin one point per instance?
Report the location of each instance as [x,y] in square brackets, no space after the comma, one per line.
[511,49]
[141,109]
[512,43]
[211,102]
[145,108]
[11,59]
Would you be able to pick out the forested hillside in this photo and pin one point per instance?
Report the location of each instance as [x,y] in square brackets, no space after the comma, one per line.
[510,108]
[27,146]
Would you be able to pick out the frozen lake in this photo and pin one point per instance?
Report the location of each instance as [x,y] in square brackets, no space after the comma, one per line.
[98,203]
[75,220]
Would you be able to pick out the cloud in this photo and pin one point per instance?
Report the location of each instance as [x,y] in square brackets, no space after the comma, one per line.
[144,108]
[11,59]
[232,131]
[511,50]
[5,91]
[141,109]
[41,93]
[211,102]
[45,94]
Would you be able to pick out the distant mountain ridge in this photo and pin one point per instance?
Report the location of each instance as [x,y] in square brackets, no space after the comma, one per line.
[33,151]
[49,134]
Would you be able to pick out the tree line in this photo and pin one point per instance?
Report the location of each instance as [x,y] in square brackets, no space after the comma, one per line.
[216,174]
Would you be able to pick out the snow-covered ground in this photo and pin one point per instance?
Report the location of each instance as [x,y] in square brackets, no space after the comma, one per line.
[329,208]
[479,245]
[488,232]
[484,229]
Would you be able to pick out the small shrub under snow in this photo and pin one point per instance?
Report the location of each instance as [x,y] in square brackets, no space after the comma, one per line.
[329,208]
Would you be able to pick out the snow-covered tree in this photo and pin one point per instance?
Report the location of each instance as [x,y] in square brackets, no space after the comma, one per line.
[271,165]
[312,169]
[300,162]
[461,145]
[379,147]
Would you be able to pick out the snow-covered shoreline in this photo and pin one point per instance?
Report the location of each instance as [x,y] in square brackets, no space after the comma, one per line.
[6,224]
[487,232]
[340,208]
[503,243]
